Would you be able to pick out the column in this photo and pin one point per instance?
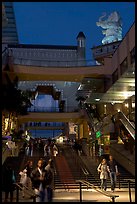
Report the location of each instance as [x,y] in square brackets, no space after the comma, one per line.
[85,130]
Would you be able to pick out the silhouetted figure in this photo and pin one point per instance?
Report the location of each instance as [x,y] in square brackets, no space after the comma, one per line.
[8,182]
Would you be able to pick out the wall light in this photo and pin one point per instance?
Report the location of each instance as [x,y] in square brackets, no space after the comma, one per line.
[133,104]
[97,99]
[126,105]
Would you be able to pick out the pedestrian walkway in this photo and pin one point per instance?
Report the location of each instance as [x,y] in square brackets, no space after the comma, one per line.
[89,195]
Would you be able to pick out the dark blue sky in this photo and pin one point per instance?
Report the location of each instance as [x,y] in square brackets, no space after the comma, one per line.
[58,23]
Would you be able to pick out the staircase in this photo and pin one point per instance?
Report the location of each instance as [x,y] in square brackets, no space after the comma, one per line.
[70,167]
[79,165]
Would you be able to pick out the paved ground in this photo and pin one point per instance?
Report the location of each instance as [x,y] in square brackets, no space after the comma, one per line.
[87,196]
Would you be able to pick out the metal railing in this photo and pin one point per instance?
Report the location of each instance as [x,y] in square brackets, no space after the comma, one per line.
[54,63]
[88,184]
[5,53]
[68,109]
[29,192]
[129,187]
[125,121]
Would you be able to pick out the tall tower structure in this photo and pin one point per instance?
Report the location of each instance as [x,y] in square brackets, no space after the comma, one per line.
[81,43]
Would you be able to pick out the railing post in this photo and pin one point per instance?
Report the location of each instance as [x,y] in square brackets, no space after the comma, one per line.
[130,200]
[119,180]
[17,194]
[80,185]
[113,199]
[34,199]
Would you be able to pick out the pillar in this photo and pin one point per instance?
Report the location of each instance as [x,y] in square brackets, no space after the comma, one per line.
[80,131]
[85,130]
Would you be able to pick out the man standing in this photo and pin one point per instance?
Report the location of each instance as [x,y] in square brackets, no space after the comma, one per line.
[38,181]
[113,172]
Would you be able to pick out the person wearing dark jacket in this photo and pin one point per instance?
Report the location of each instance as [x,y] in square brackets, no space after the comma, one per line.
[113,172]
[8,182]
[38,182]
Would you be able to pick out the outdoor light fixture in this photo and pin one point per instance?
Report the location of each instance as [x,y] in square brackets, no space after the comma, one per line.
[126,105]
[133,105]
[97,99]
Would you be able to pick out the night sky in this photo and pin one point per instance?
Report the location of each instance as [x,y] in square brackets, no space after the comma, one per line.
[58,23]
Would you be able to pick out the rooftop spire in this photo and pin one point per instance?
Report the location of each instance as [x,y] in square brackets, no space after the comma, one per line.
[81,34]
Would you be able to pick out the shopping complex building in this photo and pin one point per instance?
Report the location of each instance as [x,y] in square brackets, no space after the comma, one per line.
[92,102]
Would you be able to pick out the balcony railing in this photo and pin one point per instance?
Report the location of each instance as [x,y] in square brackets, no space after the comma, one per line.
[52,63]
[68,109]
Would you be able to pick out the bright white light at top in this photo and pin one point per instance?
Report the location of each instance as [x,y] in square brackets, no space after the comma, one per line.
[126,105]
[79,87]
[97,99]
[127,94]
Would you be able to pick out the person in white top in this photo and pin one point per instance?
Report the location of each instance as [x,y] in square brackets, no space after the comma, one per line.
[103,170]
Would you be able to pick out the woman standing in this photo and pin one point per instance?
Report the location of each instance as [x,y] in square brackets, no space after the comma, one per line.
[25,179]
[103,170]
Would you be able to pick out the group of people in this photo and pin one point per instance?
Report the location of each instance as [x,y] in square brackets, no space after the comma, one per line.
[40,179]
[106,169]
[40,147]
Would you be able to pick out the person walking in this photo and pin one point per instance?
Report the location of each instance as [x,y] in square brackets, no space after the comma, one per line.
[113,172]
[54,150]
[50,180]
[38,182]
[25,179]
[103,170]
[29,168]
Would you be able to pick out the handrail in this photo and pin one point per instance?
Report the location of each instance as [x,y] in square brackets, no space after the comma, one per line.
[5,56]
[108,194]
[54,63]
[6,48]
[122,154]
[130,181]
[33,195]
[85,171]
[125,121]
[68,109]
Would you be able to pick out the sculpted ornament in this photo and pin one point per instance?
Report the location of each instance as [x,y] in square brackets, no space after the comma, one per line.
[112,27]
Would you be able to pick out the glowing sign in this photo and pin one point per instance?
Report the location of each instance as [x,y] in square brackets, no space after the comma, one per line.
[98,134]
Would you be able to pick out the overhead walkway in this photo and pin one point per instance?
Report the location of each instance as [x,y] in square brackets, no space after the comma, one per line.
[35,71]
[51,117]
